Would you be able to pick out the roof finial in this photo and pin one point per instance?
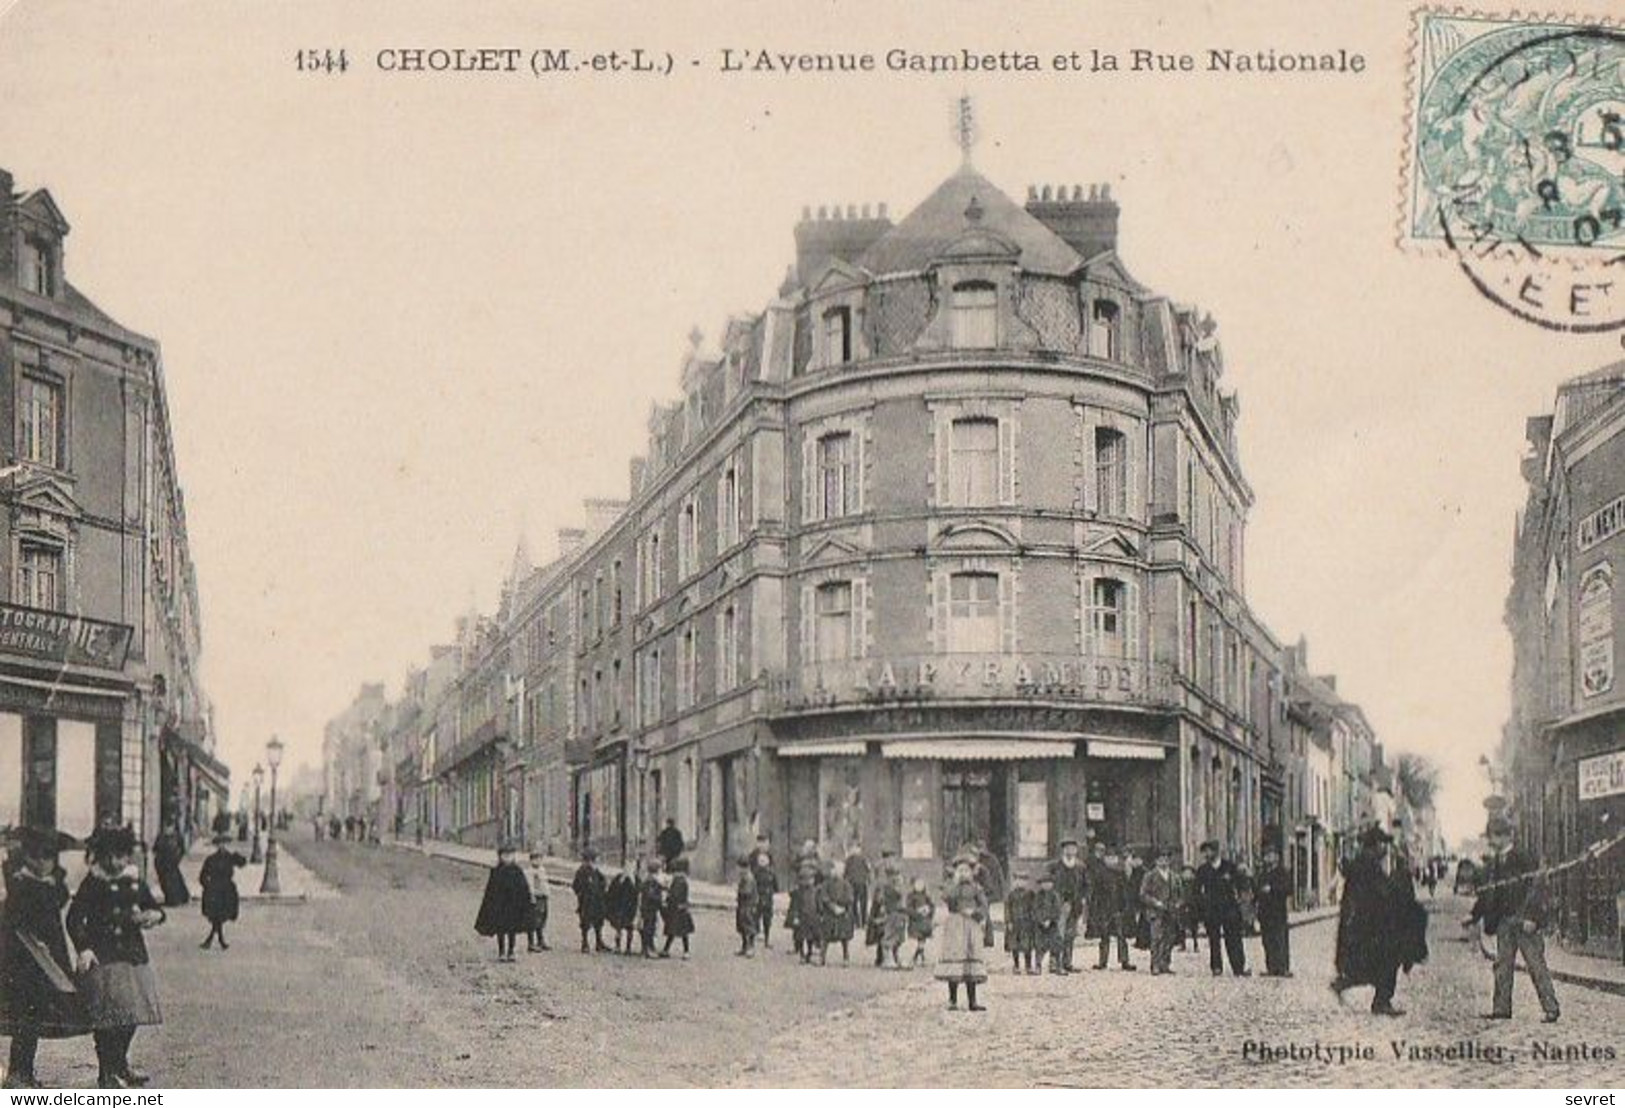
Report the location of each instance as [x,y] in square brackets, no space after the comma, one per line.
[965,126]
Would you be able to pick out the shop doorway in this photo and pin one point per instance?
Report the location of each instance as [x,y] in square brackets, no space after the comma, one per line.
[975,808]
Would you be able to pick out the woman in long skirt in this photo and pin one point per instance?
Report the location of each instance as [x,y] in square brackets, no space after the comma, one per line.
[219,881]
[959,953]
[111,909]
[167,852]
[38,999]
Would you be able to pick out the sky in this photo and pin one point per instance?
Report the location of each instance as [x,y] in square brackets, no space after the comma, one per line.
[407,317]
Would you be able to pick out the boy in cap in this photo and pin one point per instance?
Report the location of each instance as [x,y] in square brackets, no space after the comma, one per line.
[536,875]
[590,889]
[651,896]
[767,884]
[505,907]
[922,912]
[1044,911]
[1018,924]
[1159,893]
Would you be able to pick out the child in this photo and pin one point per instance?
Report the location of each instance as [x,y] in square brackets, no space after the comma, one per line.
[1189,911]
[505,908]
[109,913]
[802,918]
[767,885]
[1044,914]
[894,918]
[651,894]
[37,996]
[837,915]
[921,919]
[679,920]
[590,888]
[1018,929]
[219,882]
[959,957]
[537,876]
[621,908]
[745,909]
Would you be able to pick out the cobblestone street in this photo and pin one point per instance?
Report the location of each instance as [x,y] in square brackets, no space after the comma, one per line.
[387,985]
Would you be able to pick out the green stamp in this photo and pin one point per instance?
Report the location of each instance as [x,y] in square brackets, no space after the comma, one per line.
[1515,161]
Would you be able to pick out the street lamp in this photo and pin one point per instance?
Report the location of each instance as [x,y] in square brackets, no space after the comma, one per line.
[258,775]
[270,883]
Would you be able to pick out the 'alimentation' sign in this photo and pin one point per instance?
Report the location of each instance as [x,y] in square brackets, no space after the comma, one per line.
[1602,776]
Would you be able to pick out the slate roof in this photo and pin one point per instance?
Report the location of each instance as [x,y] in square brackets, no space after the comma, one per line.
[939,221]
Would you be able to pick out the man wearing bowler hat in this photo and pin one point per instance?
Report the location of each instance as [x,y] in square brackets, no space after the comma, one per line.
[1513,906]
[1072,887]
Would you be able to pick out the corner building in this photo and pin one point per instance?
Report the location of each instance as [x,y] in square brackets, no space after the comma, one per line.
[945,545]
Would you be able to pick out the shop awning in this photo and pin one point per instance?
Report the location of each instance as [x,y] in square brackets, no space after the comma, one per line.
[834,748]
[974,748]
[1127,748]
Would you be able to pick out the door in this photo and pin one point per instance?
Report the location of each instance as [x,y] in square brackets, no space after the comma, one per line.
[975,808]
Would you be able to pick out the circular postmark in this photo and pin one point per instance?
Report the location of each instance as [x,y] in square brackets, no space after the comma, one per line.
[1522,150]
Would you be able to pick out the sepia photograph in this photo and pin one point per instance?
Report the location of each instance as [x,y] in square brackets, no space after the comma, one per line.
[853,546]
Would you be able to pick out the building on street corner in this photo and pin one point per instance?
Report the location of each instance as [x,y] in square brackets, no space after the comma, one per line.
[1564,746]
[103,716]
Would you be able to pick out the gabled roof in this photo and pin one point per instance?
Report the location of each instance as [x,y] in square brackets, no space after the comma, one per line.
[40,205]
[940,221]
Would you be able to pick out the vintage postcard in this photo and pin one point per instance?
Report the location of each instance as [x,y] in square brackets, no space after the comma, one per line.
[824,546]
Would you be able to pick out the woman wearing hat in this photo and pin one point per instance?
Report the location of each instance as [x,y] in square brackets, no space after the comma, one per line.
[110,910]
[219,882]
[38,999]
[959,953]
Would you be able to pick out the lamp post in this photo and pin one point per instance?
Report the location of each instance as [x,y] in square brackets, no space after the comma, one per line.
[270,883]
[258,775]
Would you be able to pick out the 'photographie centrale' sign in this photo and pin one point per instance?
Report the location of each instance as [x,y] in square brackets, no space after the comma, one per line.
[1602,776]
[63,638]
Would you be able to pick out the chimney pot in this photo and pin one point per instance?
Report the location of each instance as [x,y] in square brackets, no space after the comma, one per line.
[882,211]
[1045,194]
[1077,192]
[1106,191]
[1032,193]
[806,213]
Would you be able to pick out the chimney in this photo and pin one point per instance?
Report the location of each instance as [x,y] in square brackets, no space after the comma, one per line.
[571,539]
[601,514]
[1086,219]
[836,233]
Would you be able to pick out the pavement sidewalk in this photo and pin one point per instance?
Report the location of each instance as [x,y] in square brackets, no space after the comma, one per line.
[298,884]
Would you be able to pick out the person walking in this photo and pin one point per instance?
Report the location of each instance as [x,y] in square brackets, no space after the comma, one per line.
[38,999]
[218,880]
[1380,926]
[678,918]
[959,948]
[1514,907]
[744,910]
[167,852]
[767,884]
[111,910]
[1071,882]
[669,844]
[1221,911]
[1272,889]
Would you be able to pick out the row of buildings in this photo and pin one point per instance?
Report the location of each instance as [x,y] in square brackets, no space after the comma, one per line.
[945,544]
[1562,758]
[103,717]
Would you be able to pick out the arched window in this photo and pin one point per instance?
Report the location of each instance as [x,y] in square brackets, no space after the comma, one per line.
[1104,336]
[975,316]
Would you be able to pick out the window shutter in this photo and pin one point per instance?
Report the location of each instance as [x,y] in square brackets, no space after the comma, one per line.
[723,681]
[860,433]
[943,427]
[1134,451]
[809,594]
[1086,600]
[860,617]
[1131,619]
[1090,478]
[811,492]
[1008,588]
[1007,459]
[940,606]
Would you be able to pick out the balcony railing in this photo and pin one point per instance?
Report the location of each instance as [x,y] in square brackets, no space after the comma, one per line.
[912,678]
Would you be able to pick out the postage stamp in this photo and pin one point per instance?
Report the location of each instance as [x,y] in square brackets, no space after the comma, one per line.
[1515,161]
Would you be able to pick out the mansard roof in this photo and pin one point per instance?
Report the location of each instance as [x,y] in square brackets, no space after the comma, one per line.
[941,221]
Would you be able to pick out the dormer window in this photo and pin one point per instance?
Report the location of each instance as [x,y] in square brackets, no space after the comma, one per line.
[838,336]
[1104,336]
[34,270]
[975,307]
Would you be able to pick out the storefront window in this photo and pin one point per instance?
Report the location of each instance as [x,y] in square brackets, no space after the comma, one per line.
[1032,819]
[917,810]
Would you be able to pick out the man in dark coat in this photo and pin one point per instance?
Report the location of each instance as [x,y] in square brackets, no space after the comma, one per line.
[857,875]
[591,889]
[1221,911]
[1513,906]
[218,879]
[1072,887]
[1377,924]
[1117,907]
[669,843]
[1272,889]
[167,852]
[37,995]
[1159,895]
